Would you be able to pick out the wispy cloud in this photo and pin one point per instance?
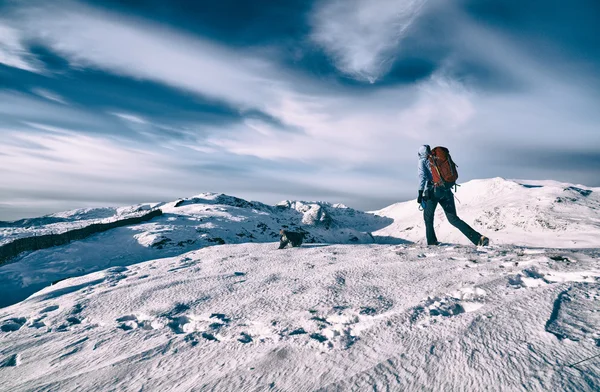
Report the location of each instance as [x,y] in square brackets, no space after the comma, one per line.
[12,51]
[269,128]
[326,117]
[49,95]
[88,37]
[130,117]
[363,36]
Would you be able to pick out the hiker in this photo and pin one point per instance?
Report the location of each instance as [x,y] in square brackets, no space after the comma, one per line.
[437,176]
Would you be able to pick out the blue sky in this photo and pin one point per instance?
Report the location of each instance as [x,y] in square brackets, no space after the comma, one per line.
[115,102]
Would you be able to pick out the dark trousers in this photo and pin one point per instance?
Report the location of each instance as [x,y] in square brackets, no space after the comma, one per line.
[446,200]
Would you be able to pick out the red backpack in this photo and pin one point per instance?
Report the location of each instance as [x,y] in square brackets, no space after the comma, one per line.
[443,168]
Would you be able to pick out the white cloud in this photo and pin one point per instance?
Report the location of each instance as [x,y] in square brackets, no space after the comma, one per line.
[63,153]
[349,131]
[21,107]
[337,127]
[12,51]
[130,117]
[126,46]
[363,36]
[49,95]
[330,127]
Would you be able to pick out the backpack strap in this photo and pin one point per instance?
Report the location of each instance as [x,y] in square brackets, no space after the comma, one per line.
[452,164]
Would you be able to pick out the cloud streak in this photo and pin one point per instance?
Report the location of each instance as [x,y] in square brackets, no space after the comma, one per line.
[12,51]
[363,36]
[88,37]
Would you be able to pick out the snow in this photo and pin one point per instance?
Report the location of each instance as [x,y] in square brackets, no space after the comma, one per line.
[204,220]
[338,317]
[63,221]
[200,298]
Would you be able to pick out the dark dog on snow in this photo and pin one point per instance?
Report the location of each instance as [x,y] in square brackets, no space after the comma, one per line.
[290,237]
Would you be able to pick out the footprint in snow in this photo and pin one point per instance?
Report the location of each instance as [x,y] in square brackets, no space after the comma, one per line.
[181,324]
[318,337]
[338,330]
[245,338]
[38,323]
[209,336]
[436,307]
[13,324]
[532,277]
[11,361]
[130,322]
[74,320]
[77,309]
[180,308]
[70,322]
[194,338]
[299,331]
[49,309]
[529,277]
[190,323]
[220,316]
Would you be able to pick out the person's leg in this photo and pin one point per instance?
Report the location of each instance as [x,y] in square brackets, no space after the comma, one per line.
[428,215]
[449,207]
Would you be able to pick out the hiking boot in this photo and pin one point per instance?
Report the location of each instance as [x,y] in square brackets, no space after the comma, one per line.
[483,241]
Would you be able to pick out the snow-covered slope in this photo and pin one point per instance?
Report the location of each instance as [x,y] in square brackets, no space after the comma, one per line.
[187,224]
[343,317]
[528,213]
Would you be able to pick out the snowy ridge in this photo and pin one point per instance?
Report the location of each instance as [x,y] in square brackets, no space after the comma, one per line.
[187,224]
[526,213]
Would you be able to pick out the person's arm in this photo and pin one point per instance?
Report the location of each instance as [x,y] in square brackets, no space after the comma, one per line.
[423,174]
[424,179]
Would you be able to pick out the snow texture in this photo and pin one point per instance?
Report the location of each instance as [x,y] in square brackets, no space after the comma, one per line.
[339,317]
[134,309]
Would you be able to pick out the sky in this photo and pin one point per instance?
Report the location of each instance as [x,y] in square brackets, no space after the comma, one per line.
[107,102]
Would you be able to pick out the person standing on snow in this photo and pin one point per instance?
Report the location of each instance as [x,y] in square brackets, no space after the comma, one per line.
[430,195]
